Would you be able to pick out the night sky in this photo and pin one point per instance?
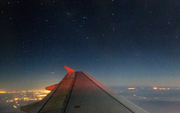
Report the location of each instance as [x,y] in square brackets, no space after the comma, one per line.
[119,42]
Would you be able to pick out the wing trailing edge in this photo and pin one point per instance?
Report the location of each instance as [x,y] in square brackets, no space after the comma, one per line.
[29,107]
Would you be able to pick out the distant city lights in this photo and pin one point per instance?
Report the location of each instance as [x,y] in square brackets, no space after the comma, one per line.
[154,88]
[25,95]
[131,88]
[2,91]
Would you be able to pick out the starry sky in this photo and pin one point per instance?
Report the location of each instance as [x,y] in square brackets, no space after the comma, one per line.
[119,42]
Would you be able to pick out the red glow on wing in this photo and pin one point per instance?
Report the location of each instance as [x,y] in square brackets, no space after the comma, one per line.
[50,88]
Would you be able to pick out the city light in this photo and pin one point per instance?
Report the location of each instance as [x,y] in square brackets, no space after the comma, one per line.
[131,88]
[15,106]
[16,99]
[155,88]
[2,92]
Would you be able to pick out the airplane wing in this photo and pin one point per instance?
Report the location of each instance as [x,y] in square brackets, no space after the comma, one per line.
[79,92]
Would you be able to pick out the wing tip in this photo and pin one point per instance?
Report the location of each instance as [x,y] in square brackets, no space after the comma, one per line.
[69,70]
[50,88]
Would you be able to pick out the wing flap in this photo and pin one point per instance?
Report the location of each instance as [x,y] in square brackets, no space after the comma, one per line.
[29,107]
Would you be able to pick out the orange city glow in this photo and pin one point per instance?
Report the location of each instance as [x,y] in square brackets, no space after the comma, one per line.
[2,92]
[131,88]
[16,99]
[155,88]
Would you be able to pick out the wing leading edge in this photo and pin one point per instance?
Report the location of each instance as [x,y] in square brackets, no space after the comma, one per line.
[79,92]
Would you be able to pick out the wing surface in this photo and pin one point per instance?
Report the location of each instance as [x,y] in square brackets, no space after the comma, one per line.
[79,92]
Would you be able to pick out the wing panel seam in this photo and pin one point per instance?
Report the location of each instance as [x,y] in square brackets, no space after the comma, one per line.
[51,96]
[70,92]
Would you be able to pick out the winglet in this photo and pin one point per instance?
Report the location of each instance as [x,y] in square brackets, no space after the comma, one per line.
[50,88]
[69,69]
